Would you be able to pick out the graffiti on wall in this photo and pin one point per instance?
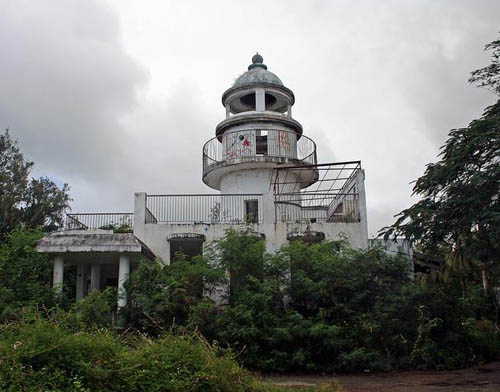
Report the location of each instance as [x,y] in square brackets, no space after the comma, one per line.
[239,144]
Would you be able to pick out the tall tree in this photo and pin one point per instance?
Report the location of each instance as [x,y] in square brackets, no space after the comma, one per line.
[459,213]
[23,200]
[489,76]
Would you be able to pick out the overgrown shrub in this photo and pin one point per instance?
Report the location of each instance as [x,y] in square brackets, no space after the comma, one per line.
[96,310]
[25,274]
[161,296]
[321,307]
[38,354]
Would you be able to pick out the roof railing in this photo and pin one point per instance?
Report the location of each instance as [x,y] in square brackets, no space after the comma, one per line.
[258,145]
[204,208]
[121,221]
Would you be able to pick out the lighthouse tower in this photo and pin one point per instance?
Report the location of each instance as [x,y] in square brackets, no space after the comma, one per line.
[266,174]
[257,136]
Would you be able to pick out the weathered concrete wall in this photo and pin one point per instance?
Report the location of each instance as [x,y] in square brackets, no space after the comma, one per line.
[255,180]
[399,246]
[155,236]
[82,241]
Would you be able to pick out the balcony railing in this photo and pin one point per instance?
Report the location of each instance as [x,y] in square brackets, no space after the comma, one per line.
[317,207]
[204,208]
[93,221]
[258,145]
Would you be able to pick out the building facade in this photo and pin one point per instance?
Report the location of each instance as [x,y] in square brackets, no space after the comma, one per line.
[264,173]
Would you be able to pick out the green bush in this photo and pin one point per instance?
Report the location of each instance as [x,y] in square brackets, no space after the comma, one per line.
[38,354]
[161,296]
[321,307]
[313,308]
[97,308]
[25,274]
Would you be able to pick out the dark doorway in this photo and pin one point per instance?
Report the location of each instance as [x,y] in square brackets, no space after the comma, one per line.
[252,211]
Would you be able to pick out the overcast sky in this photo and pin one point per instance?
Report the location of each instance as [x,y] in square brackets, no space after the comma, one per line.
[115,97]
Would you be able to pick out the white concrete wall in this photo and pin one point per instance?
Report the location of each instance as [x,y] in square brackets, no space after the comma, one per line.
[400,247]
[155,236]
[251,181]
[243,143]
[256,180]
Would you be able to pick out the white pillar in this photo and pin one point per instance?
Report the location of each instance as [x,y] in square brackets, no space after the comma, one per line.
[166,260]
[360,187]
[268,208]
[139,214]
[123,272]
[260,100]
[95,276]
[228,111]
[80,281]
[58,276]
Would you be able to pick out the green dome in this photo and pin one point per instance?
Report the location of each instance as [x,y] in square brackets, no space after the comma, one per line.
[257,73]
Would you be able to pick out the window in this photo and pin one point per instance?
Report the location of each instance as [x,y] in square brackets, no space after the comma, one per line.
[252,211]
[248,101]
[261,143]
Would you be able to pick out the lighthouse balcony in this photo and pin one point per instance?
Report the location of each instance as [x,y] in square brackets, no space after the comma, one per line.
[250,148]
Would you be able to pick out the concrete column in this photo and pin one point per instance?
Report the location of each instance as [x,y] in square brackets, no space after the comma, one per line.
[360,187]
[95,276]
[139,214]
[57,280]
[166,260]
[123,272]
[228,111]
[260,100]
[268,208]
[80,281]
[289,110]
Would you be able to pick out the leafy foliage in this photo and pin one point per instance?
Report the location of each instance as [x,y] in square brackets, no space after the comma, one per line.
[321,307]
[316,321]
[25,275]
[458,216]
[161,295]
[118,228]
[97,308]
[24,201]
[453,214]
[489,76]
[45,354]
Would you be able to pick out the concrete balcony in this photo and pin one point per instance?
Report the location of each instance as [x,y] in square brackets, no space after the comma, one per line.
[121,221]
[251,148]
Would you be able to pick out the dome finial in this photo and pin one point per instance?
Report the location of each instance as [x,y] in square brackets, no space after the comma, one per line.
[257,62]
[257,58]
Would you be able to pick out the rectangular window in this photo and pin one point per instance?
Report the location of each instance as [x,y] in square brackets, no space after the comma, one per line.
[252,211]
[261,143]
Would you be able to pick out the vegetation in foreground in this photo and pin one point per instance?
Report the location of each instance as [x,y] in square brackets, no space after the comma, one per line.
[316,307]
[311,307]
[53,353]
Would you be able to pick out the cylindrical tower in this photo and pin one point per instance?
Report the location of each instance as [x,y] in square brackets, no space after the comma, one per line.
[258,135]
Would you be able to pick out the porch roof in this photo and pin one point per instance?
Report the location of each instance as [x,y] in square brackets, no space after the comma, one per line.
[92,241]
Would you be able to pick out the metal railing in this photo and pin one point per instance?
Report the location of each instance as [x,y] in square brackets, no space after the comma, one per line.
[93,221]
[204,208]
[332,197]
[317,207]
[257,145]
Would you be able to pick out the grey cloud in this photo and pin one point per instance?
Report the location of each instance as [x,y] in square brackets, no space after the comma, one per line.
[382,82]
[65,82]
